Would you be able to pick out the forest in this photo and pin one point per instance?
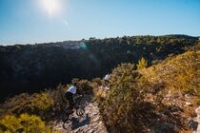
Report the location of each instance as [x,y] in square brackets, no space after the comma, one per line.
[32,68]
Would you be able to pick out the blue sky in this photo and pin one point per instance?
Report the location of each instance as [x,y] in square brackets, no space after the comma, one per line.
[31,21]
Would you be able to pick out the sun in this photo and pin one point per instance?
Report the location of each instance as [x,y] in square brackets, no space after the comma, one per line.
[52,7]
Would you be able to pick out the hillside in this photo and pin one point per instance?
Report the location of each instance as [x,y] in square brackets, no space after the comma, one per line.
[160,98]
[31,68]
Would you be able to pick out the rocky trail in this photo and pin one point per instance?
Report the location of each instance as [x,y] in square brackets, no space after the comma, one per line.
[90,122]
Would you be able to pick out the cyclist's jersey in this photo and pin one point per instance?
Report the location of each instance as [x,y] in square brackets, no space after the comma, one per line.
[72,89]
[107,77]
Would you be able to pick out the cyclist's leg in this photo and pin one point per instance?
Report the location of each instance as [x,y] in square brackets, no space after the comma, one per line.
[70,98]
[106,83]
[73,101]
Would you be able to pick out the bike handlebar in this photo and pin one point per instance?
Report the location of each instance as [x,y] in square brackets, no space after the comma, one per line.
[78,95]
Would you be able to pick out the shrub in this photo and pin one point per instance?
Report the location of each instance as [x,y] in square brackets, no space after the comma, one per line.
[25,123]
[38,103]
[186,72]
[59,101]
[86,86]
[142,63]
[9,123]
[124,106]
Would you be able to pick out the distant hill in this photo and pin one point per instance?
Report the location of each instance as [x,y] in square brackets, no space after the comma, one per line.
[31,68]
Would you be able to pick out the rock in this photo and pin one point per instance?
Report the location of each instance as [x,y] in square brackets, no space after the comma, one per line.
[188,96]
[197,110]
[95,119]
[198,118]
[192,124]
[188,103]
[76,131]
[163,128]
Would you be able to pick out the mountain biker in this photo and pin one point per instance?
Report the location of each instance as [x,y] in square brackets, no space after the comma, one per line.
[70,93]
[106,79]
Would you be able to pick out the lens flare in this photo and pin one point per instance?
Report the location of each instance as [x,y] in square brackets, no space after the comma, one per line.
[51,6]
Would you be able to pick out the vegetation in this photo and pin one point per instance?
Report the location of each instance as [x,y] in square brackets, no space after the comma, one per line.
[166,67]
[31,68]
[136,98]
[142,63]
[24,124]
[38,103]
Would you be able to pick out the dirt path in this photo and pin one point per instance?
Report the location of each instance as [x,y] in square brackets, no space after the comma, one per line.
[89,123]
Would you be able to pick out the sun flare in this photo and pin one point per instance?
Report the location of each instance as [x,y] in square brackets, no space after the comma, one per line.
[51,6]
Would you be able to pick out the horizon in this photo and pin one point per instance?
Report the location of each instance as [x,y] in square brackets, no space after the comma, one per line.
[99,38]
[50,21]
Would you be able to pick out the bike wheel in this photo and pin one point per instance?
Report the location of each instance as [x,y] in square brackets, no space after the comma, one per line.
[80,111]
[65,116]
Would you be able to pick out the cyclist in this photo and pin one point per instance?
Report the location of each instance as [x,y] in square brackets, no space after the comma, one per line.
[69,94]
[106,79]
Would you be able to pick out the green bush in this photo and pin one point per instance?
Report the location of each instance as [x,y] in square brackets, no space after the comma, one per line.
[184,72]
[142,63]
[124,106]
[24,124]
[86,86]
[59,101]
[38,103]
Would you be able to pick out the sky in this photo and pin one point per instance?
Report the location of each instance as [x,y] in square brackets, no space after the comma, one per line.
[43,21]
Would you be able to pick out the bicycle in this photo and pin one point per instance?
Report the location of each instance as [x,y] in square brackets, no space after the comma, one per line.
[67,112]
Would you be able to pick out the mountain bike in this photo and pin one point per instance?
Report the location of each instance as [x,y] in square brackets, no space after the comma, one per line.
[66,115]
